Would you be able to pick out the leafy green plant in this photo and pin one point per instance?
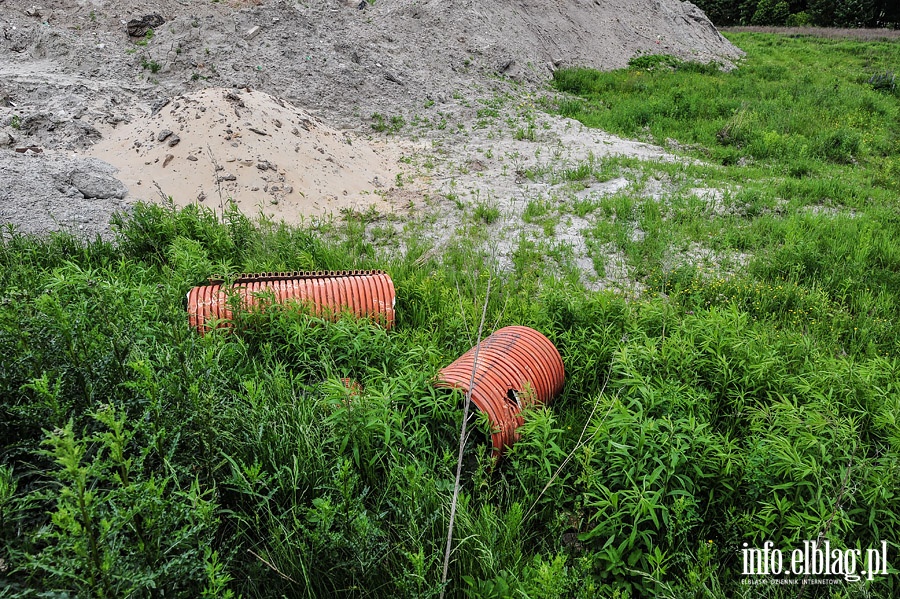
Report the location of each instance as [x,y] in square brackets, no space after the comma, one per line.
[146,39]
[7,491]
[150,65]
[534,210]
[648,62]
[103,504]
[486,212]
[527,133]
[392,125]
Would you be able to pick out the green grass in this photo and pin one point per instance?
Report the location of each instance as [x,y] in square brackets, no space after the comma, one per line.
[150,65]
[808,153]
[391,125]
[486,211]
[733,411]
[716,408]
[792,102]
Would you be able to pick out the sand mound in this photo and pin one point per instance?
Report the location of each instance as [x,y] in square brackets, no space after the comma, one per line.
[266,155]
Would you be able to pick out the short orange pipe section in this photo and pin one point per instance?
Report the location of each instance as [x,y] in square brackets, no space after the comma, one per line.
[517,366]
[363,293]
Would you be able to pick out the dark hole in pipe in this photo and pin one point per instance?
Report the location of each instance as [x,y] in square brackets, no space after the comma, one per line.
[512,395]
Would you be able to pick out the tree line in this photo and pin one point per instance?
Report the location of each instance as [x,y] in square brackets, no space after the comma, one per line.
[799,13]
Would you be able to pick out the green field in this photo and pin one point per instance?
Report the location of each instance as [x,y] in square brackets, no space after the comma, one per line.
[755,399]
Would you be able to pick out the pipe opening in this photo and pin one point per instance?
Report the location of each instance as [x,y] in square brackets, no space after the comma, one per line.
[512,395]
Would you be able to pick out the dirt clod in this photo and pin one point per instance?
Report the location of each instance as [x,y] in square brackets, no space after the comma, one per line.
[139,27]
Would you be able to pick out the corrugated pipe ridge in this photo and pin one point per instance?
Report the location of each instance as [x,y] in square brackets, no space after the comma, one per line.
[364,293]
[516,366]
[246,277]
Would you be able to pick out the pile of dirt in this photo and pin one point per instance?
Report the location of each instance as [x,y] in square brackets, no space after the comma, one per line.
[344,58]
[71,71]
[258,151]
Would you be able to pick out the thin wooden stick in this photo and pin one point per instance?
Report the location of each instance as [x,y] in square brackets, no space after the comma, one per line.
[837,505]
[581,440]
[462,443]
[218,181]
[276,570]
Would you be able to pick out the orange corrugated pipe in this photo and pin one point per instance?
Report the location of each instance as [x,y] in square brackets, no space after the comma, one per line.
[516,366]
[364,293]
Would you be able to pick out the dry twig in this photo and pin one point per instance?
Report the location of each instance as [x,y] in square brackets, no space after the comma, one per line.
[462,442]
[274,569]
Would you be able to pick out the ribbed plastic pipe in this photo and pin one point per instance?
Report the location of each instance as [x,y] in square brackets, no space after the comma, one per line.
[364,293]
[516,366]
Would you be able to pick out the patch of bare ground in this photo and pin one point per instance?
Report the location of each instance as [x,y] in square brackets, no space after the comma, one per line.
[505,188]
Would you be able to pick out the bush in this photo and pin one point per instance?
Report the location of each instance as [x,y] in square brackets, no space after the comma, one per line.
[799,19]
[115,528]
[771,12]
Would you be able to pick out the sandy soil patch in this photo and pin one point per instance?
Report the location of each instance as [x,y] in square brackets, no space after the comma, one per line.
[267,156]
